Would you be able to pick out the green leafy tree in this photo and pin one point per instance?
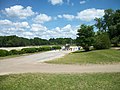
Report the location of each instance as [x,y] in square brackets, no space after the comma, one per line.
[102,41]
[61,41]
[85,37]
[115,41]
[99,24]
[110,23]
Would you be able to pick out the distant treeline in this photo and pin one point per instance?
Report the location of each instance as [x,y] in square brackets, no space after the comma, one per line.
[15,41]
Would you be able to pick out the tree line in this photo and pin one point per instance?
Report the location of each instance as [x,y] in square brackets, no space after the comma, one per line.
[108,32]
[15,41]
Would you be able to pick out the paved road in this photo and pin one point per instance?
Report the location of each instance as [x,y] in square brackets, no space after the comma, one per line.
[34,63]
[34,58]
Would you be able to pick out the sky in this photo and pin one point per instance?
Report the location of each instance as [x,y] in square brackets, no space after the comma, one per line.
[50,18]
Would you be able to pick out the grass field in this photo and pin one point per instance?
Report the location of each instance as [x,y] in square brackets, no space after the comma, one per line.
[107,56]
[96,81]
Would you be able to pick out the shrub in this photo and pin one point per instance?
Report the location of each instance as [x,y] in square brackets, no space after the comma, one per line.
[13,52]
[29,50]
[39,49]
[46,48]
[3,53]
[21,52]
[56,47]
[115,41]
[102,41]
[32,50]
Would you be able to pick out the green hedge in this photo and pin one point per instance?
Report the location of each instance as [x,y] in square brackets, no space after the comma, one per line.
[29,50]
[26,50]
[13,52]
[56,47]
[46,48]
[3,53]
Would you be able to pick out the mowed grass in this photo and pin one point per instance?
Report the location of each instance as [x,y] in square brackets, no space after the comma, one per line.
[107,56]
[95,81]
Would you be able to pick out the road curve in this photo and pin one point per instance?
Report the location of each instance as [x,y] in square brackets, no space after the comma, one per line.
[34,63]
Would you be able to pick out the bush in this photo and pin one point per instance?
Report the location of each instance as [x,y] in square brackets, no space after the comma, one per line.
[39,49]
[29,50]
[3,53]
[56,47]
[32,50]
[45,48]
[115,41]
[13,52]
[21,52]
[102,41]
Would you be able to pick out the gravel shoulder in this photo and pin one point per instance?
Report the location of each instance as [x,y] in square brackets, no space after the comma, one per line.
[35,63]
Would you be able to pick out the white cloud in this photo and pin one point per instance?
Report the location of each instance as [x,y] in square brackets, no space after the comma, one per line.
[5,22]
[21,25]
[41,18]
[67,28]
[36,30]
[82,2]
[59,16]
[11,29]
[55,2]
[8,23]
[8,27]
[90,14]
[69,17]
[66,16]
[27,33]
[85,15]
[38,27]
[41,31]
[55,18]
[19,11]
[67,31]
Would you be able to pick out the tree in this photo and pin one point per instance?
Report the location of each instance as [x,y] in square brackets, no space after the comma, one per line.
[15,41]
[102,41]
[115,41]
[99,24]
[108,18]
[110,23]
[61,41]
[85,37]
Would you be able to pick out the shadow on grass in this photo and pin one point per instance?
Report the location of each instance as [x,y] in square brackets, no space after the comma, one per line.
[81,51]
[3,78]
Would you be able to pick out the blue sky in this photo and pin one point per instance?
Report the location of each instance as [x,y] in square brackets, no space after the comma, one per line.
[50,18]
